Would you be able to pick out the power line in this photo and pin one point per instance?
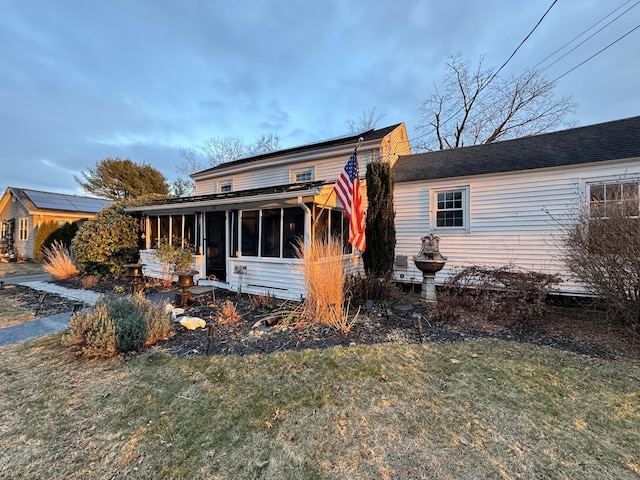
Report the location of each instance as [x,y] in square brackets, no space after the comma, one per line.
[596,54]
[589,37]
[522,42]
[578,36]
[497,71]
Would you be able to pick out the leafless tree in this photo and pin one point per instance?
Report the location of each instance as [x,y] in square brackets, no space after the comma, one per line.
[366,121]
[218,150]
[267,142]
[477,106]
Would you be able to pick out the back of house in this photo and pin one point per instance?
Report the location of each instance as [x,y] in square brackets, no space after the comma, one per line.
[507,203]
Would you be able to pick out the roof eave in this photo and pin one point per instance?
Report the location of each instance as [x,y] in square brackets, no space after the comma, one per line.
[225,201]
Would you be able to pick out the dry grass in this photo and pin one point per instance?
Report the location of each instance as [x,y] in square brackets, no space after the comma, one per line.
[59,261]
[228,313]
[479,409]
[265,301]
[27,267]
[325,280]
[12,311]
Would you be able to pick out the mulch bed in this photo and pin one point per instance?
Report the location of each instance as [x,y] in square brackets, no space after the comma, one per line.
[29,298]
[574,329]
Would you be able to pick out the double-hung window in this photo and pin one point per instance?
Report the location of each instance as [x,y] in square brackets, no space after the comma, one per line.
[23,229]
[450,209]
[614,198]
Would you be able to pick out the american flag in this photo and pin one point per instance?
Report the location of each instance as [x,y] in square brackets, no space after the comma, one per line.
[347,190]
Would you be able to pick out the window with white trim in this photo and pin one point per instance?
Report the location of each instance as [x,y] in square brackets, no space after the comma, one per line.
[226,186]
[301,175]
[607,196]
[23,229]
[450,209]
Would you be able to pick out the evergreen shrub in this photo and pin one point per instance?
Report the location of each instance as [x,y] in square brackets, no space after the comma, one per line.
[117,324]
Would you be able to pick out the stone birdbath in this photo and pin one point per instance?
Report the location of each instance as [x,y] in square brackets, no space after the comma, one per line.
[429,261]
[134,272]
[185,282]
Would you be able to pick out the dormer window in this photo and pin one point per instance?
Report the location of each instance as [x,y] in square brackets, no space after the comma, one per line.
[301,175]
[226,186]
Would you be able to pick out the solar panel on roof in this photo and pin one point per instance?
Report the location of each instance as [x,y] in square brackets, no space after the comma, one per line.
[69,203]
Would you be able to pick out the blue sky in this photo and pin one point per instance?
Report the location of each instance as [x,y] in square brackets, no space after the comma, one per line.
[83,80]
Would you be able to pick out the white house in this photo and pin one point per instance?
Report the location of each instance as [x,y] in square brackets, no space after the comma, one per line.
[503,203]
[247,214]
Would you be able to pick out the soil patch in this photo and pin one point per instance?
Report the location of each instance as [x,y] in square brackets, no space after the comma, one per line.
[269,329]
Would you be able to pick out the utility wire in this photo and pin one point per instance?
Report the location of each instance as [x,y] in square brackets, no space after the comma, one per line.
[597,53]
[578,36]
[521,43]
[589,37]
[497,71]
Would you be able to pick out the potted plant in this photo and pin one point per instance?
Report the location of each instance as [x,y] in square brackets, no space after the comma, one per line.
[176,256]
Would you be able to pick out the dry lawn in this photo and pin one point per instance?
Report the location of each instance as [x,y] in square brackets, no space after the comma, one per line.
[13,311]
[27,267]
[478,409]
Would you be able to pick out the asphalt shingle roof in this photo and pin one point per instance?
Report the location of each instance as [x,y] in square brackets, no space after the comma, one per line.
[336,142]
[614,140]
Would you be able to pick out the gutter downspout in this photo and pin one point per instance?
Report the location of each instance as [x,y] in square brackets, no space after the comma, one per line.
[307,224]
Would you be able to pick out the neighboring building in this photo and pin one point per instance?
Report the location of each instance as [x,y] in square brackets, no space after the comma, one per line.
[23,210]
[504,203]
[247,214]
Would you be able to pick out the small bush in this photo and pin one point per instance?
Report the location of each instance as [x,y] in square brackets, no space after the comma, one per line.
[59,261]
[228,314]
[117,324]
[265,301]
[500,294]
[157,323]
[603,254]
[63,234]
[93,334]
[89,281]
[370,287]
[42,234]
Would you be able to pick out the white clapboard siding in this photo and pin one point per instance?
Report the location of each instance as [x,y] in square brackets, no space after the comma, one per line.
[516,218]
[325,170]
[153,268]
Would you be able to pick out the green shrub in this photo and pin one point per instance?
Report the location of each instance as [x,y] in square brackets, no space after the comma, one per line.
[117,324]
[63,235]
[42,234]
[380,221]
[157,323]
[107,241]
[93,334]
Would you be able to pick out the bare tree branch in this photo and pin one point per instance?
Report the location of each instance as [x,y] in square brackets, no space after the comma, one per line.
[365,122]
[479,107]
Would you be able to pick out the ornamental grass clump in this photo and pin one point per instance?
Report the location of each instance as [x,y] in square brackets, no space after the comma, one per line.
[325,280]
[228,314]
[59,261]
[116,325]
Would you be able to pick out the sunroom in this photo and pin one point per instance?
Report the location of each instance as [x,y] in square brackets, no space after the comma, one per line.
[246,241]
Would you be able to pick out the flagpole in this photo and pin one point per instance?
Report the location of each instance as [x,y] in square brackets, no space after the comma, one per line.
[324,205]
